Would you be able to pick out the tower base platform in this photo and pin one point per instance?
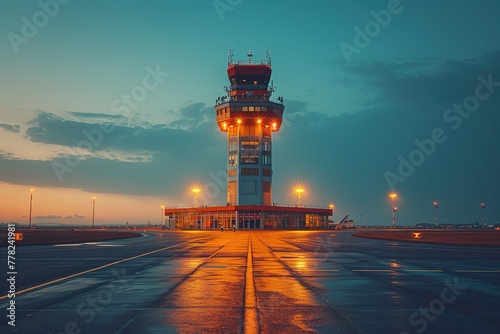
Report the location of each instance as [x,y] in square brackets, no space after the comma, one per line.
[276,217]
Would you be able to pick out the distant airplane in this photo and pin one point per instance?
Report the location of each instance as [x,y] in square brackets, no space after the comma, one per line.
[345,223]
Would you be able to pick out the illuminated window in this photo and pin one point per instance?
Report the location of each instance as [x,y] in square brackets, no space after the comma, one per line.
[257,108]
[231,192]
[232,160]
[249,145]
[244,108]
[232,172]
[266,159]
[249,159]
[251,108]
[267,146]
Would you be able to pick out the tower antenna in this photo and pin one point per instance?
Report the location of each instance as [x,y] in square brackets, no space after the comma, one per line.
[230,57]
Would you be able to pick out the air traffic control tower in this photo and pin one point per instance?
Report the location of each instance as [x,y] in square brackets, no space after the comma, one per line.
[249,117]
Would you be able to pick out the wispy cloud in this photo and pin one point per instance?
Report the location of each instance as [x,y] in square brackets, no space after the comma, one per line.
[11,128]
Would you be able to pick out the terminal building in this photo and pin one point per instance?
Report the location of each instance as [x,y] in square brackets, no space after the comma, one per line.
[249,116]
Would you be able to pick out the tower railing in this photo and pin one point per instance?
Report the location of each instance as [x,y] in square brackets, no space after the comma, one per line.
[245,98]
[249,62]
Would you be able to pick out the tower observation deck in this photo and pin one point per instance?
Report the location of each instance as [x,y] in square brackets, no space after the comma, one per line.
[249,117]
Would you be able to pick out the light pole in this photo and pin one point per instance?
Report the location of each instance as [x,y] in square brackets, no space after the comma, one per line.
[435,214]
[482,213]
[196,192]
[299,191]
[162,207]
[93,211]
[394,208]
[332,206]
[31,203]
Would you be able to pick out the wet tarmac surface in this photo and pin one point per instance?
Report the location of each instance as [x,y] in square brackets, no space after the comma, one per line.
[255,282]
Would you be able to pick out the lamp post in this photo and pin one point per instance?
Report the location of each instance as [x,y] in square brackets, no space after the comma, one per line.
[31,203]
[196,191]
[93,211]
[435,214]
[482,214]
[332,206]
[394,208]
[299,191]
[162,207]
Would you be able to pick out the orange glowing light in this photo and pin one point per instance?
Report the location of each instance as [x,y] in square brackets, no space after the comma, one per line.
[393,195]
[238,121]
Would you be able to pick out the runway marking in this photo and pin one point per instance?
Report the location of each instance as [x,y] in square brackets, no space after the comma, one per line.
[67,245]
[424,270]
[373,270]
[251,320]
[94,269]
[109,245]
[476,271]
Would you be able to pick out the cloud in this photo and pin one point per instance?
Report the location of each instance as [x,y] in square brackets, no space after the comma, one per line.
[135,160]
[11,128]
[47,217]
[73,216]
[192,116]
[98,116]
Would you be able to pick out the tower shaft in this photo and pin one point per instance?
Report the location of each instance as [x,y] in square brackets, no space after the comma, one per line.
[249,117]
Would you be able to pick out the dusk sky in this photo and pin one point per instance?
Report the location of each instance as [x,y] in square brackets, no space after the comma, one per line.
[114,99]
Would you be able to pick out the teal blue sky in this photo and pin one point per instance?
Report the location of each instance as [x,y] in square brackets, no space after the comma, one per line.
[354,103]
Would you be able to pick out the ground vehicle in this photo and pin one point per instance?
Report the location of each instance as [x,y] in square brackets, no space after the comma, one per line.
[343,224]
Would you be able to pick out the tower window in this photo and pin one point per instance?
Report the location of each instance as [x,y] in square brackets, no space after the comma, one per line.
[249,171]
[250,159]
[232,160]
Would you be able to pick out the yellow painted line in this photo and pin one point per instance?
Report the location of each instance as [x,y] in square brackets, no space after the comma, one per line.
[251,320]
[91,270]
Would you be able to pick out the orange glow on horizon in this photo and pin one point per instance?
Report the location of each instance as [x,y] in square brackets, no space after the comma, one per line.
[71,206]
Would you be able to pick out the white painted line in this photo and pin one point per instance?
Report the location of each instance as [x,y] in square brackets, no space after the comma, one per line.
[94,269]
[67,245]
[373,270]
[477,271]
[424,270]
